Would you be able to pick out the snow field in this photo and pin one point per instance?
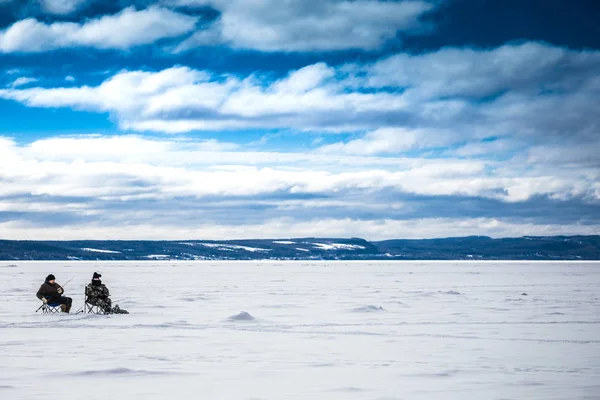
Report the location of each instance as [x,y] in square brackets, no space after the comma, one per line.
[306,330]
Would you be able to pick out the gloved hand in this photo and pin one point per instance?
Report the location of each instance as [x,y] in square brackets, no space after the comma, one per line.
[44,300]
[60,290]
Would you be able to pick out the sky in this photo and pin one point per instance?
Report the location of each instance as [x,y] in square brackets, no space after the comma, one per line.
[233,119]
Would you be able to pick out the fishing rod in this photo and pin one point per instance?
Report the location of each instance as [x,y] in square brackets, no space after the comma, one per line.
[43,304]
[68,281]
[63,286]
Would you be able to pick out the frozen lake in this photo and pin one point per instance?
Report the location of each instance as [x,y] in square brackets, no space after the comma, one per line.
[321,330]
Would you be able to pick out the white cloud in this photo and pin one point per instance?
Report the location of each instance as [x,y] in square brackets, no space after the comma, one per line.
[70,78]
[566,155]
[306,25]
[73,167]
[114,186]
[287,227]
[61,7]
[48,207]
[324,98]
[123,149]
[528,67]
[487,148]
[23,80]
[318,97]
[124,30]
[180,99]
[392,140]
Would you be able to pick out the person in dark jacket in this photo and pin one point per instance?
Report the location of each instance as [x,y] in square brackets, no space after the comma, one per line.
[51,292]
[97,294]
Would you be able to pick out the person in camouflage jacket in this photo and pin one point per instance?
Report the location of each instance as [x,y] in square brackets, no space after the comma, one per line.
[97,294]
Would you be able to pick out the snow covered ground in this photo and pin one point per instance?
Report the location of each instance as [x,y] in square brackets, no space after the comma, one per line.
[100,251]
[320,330]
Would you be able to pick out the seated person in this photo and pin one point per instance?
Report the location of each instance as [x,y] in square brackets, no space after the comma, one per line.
[51,293]
[98,295]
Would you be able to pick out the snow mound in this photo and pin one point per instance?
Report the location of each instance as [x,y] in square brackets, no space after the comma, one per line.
[243,316]
[301,249]
[118,371]
[334,246]
[195,298]
[100,250]
[369,308]
[283,242]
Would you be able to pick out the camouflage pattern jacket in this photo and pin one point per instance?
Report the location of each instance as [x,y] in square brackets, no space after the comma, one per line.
[96,292]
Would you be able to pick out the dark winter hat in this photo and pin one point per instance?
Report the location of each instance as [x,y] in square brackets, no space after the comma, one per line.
[97,275]
[50,278]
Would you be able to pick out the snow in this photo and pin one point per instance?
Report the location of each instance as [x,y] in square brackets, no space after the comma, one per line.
[283,242]
[301,249]
[333,246]
[306,330]
[157,256]
[232,247]
[99,250]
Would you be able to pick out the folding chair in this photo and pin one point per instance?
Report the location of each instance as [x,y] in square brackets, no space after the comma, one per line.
[50,308]
[90,308]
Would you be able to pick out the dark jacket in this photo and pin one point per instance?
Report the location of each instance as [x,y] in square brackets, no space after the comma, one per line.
[96,291]
[49,291]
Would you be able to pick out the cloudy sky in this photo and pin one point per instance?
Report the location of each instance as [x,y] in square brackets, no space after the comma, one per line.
[223,119]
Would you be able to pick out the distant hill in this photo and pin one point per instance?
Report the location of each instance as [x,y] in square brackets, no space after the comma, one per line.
[486,248]
[460,248]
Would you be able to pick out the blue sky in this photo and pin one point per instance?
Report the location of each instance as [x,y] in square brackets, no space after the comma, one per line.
[215,119]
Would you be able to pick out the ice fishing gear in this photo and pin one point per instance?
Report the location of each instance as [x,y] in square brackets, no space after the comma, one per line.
[68,281]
